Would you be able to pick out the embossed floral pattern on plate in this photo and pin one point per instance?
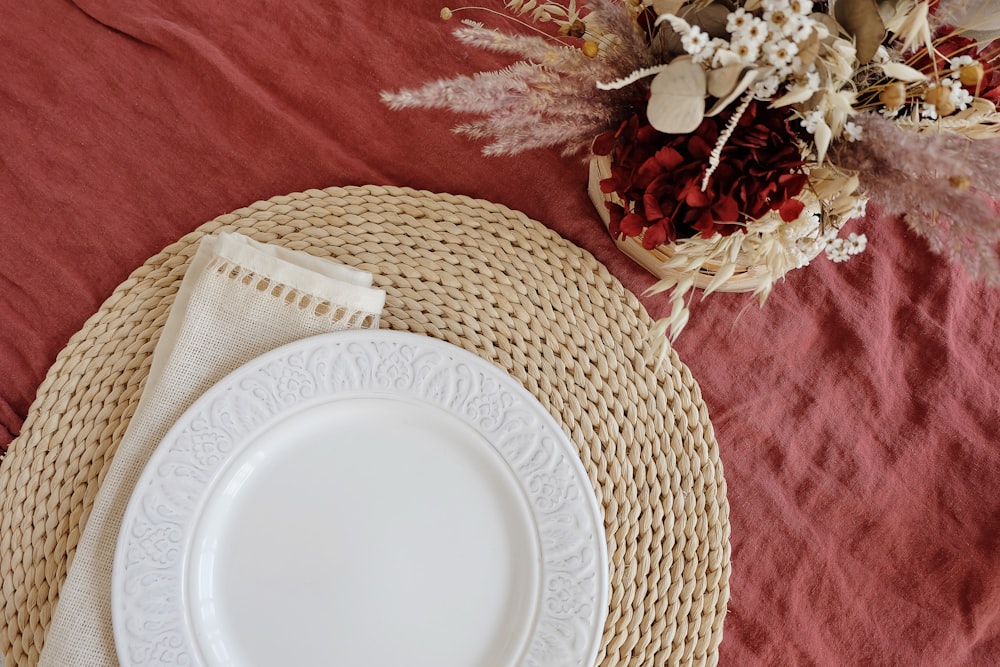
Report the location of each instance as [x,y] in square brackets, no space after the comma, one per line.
[152,625]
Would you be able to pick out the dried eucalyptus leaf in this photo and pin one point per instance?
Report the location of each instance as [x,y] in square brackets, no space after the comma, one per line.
[861,20]
[667,40]
[808,52]
[834,187]
[887,9]
[826,183]
[843,202]
[677,97]
[711,19]
[831,25]
[667,6]
[744,82]
[853,183]
[843,205]
[722,81]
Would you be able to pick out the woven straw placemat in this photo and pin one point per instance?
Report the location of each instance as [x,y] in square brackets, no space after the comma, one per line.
[470,272]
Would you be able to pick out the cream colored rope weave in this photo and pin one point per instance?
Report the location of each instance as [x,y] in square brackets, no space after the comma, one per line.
[467,271]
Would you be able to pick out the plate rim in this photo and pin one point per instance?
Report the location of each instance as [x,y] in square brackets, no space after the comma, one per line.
[372,340]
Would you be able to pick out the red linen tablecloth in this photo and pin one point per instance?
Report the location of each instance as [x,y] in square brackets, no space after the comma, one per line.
[857,412]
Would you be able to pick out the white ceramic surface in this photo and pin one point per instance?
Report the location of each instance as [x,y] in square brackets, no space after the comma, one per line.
[362,498]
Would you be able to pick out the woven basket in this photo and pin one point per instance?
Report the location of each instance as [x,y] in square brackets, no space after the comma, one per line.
[748,277]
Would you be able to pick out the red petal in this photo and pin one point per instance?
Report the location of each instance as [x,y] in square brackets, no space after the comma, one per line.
[705,224]
[694,197]
[792,184]
[649,170]
[655,235]
[651,207]
[725,209]
[632,224]
[669,158]
[790,209]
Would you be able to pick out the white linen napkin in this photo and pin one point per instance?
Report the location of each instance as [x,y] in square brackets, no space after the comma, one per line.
[238,299]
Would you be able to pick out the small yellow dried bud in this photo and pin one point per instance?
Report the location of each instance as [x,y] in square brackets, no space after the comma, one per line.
[590,49]
[940,97]
[935,93]
[893,95]
[971,74]
[960,182]
[446,14]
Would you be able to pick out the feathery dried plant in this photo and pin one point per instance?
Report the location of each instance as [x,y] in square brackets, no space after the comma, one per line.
[938,182]
[547,98]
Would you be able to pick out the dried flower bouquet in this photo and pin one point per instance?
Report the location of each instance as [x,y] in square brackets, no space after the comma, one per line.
[730,141]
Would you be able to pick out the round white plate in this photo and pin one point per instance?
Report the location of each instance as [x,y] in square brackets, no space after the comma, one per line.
[362,498]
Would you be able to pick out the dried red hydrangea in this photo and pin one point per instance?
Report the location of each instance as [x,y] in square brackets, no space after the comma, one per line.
[660,176]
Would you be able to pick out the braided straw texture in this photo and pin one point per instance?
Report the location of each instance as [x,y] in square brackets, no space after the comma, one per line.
[477,275]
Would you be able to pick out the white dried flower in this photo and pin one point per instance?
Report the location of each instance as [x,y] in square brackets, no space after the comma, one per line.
[799,29]
[695,40]
[960,61]
[780,53]
[855,243]
[767,87]
[724,55]
[804,251]
[812,79]
[859,209]
[800,7]
[777,19]
[928,111]
[754,31]
[714,51]
[738,20]
[836,250]
[776,5]
[852,131]
[811,120]
[745,51]
[960,97]
[799,242]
